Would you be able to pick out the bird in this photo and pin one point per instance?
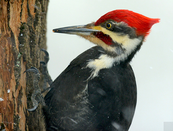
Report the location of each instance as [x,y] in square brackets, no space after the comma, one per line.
[97,91]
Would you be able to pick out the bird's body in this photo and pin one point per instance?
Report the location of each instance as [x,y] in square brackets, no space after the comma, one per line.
[87,103]
[97,91]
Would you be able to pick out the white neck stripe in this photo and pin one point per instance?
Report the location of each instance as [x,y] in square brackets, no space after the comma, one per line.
[105,61]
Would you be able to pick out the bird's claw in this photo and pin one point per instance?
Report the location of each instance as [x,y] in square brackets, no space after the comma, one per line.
[46,57]
[35,105]
[43,64]
[37,91]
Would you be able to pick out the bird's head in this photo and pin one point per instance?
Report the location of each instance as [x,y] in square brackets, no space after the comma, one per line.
[119,32]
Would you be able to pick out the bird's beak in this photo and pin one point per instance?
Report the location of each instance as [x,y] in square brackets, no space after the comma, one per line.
[77,30]
[88,32]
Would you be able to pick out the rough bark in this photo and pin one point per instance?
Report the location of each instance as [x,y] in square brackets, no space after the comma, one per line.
[22,35]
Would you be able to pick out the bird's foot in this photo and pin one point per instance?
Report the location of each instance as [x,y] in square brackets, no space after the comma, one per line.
[46,76]
[37,96]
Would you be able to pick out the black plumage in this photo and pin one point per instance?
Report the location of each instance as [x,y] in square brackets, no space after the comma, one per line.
[97,91]
[78,102]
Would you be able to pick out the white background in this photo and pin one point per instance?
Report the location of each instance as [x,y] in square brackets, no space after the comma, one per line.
[153,64]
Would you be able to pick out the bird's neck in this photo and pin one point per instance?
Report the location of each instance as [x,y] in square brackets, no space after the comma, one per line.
[127,52]
[124,48]
[122,55]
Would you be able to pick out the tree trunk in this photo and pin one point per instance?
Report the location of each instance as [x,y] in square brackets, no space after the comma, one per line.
[22,35]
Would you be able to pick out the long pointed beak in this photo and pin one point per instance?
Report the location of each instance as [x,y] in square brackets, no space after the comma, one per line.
[78,30]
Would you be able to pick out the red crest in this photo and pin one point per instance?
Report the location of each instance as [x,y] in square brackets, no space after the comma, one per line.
[141,23]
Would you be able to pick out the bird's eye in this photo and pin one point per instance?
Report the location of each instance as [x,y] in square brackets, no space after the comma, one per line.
[108,25]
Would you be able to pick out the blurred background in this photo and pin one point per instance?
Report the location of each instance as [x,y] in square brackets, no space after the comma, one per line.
[153,64]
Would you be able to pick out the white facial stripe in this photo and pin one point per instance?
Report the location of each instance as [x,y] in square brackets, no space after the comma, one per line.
[129,45]
[115,36]
[126,42]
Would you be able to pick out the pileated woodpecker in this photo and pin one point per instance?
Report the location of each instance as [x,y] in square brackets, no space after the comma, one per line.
[97,91]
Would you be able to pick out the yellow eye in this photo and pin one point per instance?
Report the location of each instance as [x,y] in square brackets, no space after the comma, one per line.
[108,25]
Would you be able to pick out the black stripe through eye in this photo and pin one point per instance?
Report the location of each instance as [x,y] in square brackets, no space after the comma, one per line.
[117,29]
